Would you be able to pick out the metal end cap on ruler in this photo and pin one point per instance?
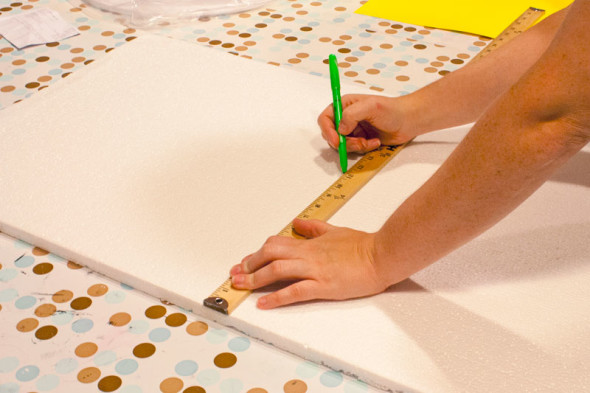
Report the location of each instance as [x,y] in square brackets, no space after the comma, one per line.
[217,304]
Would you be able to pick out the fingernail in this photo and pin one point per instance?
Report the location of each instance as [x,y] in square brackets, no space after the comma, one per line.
[237,269]
[238,280]
[262,302]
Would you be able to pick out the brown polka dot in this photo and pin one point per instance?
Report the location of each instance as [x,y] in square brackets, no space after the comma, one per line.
[65,74]
[365,48]
[27,325]
[43,268]
[85,350]
[88,62]
[410,29]
[107,33]
[443,72]
[430,70]
[214,42]
[46,332]
[194,389]
[130,38]
[73,265]
[306,28]
[155,312]
[7,89]
[32,85]
[120,319]
[402,78]
[373,71]
[144,350]
[5,9]
[294,61]
[396,26]
[83,27]
[97,290]
[264,13]
[62,296]
[257,390]
[344,50]
[81,303]
[351,74]
[295,386]
[42,59]
[16,4]
[45,310]
[457,61]
[44,78]
[197,328]
[19,62]
[88,374]
[225,360]
[176,319]
[109,383]
[420,46]
[171,385]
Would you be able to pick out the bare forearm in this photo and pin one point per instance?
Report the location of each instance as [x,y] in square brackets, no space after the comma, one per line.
[463,95]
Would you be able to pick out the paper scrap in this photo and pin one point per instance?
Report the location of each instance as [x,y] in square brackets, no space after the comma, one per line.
[478,17]
[35,27]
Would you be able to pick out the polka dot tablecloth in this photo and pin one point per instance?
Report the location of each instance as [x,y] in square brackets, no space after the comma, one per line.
[64,328]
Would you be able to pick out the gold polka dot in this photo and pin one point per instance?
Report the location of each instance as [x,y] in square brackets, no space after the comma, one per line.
[76,50]
[171,385]
[302,55]
[129,31]
[194,389]
[85,350]
[325,39]
[144,350]
[402,78]
[463,56]
[176,319]
[302,12]
[244,15]
[442,58]
[83,27]
[7,89]
[373,71]
[391,31]
[75,9]
[479,43]
[365,48]
[351,74]
[437,64]
[340,8]
[386,46]
[81,303]
[257,390]
[109,383]
[99,47]
[351,59]
[45,310]
[430,70]
[107,33]
[88,374]
[241,48]
[197,328]
[120,319]
[295,386]
[46,332]
[338,42]
[44,78]
[26,7]
[19,62]
[43,268]
[401,63]
[249,43]
[294,61]
[225,360]
[6,50]
[97,290]
[74,265]
[78,59]
[62,296]
[155,312]
[27,325]
[424,32]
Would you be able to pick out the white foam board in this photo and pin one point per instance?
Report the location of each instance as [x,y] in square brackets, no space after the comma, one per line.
[164,163]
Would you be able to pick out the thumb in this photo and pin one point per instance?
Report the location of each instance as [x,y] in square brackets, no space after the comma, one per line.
[311,228]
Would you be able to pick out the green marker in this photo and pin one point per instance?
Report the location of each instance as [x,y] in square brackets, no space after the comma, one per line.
[337,104]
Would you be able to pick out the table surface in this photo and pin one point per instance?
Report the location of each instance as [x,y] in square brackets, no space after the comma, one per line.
[66,328]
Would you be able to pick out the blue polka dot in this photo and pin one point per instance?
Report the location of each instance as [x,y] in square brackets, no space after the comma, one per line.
[307,370]
[239,344]
[47,382]
[105,358]
[24,261]
[358,53]
[126,366]
[231,385]
[354,386]
[131,389]
[422,60]
[186,368]
[19,71]
[8,294]
[216,336]
[379,65]
[65,366]
[64,47]
[18,53]
[19,92]
[316,73]
[82,325]
[286,31]
[331,379]
[25,302]
[208,377]
[55,71]
[126,287]
[81,20]
[61,317]
[53,257]
[6,78]
[8,274]
[119,36]
[138,327]
[364,25]
[8,364]
[304,41]
[159,335]
[22,244]
[417,37]
[364,34]
[9,387]
[473,49]
[115,297]
[199,31]
[314,24]
[338,20]
[411,87]
[27,373]
[252,30]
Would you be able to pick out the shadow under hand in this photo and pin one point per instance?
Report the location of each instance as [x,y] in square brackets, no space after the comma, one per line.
[575,171]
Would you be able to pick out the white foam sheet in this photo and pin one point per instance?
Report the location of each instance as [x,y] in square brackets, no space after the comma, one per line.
[165,163]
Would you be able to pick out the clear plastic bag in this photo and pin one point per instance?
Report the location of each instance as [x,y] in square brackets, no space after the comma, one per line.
[157,13]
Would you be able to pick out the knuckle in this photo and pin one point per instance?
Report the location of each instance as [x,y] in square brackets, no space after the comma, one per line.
[277,269]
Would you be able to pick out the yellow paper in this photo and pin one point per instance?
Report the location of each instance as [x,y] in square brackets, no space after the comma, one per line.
[478,17]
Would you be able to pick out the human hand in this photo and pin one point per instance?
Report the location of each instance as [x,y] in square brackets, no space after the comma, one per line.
[332,263]
[368,121]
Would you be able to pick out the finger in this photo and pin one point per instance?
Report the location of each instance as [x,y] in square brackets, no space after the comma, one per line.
[311,228]
[275,247]
[361,145]
[358,111]
[298,292]
[279,270]
[326,123]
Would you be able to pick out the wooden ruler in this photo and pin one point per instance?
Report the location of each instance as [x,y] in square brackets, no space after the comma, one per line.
[226,298]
